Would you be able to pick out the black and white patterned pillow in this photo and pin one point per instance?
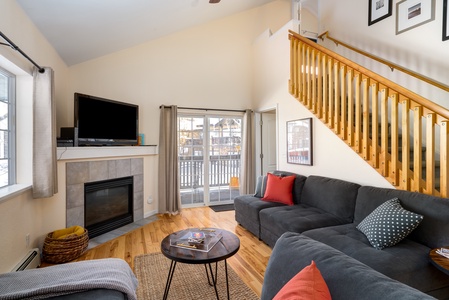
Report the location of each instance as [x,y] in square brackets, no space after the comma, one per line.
[389,224]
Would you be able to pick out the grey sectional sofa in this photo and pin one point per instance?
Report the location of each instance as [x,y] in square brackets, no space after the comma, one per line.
[328,210]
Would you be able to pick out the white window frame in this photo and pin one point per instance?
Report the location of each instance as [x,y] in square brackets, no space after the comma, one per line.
[23,131]
[11,101]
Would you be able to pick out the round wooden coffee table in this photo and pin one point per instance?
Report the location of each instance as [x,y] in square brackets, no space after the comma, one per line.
[228,244]
[439,261]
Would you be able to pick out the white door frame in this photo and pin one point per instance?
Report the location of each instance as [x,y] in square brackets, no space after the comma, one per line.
[258,117]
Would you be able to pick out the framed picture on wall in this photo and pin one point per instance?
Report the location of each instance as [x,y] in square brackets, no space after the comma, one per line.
[299,142]
[413,13]
[445,21]
[379,10]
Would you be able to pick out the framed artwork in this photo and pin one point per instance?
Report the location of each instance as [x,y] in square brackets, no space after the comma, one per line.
[445,21]
[379,10]
[299,142]
[413,13]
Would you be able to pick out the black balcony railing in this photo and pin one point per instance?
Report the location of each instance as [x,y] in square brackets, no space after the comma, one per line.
[222,170]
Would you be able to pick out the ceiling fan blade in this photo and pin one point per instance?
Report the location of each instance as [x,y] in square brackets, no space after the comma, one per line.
[214,1]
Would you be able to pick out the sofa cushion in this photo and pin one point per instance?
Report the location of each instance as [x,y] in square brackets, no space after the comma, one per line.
[307,284]
[247,210]
[331,195]
[346,277]
[434,228]
[389,224]
[298,185]
[279,189]
[407,261]
[275,221]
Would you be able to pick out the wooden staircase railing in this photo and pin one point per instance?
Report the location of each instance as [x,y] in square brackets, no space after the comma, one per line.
[404,136]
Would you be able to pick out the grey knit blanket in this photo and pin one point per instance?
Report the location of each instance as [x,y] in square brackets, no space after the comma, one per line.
[41,283]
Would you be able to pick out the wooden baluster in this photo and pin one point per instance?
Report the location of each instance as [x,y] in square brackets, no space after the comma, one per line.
[303,75]
[365,129]
[343,99]
[374,124]
[394,139]
[444,158]
[358,113]
[325,89]
[297,68]
[350,125]
[300,67]
[313,77]
[308,79]
[330,102]
[417,148]
[291,83]
[430,153]
[336,102]
[405,180]
[319,107]
[384,165]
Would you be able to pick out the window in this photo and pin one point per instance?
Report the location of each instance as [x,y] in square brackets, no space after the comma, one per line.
[7,128]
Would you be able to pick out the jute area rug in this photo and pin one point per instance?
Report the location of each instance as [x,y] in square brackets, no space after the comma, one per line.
[189,281]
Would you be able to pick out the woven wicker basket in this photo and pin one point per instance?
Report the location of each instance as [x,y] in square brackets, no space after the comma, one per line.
[63,250]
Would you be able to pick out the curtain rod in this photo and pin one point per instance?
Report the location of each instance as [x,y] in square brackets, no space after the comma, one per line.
[212,109]
[15,47]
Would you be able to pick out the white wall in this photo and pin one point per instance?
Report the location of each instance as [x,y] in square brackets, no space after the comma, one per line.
[420,49]
[331,156]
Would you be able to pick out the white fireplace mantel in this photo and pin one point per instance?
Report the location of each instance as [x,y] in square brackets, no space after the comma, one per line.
[69,153]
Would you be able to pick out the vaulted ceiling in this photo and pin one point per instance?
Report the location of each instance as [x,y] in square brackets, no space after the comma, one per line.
[81,30]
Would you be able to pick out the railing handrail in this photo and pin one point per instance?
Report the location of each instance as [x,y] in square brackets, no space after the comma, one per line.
[409,94]
[402,135]
[390,64]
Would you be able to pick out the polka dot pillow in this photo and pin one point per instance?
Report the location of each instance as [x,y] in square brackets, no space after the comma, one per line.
[389,224]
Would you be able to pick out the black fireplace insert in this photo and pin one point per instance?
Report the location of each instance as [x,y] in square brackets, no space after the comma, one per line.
[108,205]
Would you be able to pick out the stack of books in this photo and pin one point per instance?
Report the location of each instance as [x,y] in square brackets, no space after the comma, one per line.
[200,239]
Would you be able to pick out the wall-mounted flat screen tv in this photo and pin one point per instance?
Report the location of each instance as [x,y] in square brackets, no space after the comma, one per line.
[104,122]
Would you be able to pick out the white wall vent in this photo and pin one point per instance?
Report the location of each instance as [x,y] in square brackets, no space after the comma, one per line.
[30,261]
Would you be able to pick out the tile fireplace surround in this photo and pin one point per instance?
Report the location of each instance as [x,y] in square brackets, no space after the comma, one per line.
[79,173]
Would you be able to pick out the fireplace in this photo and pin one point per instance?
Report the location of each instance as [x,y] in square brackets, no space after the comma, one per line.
[108,205]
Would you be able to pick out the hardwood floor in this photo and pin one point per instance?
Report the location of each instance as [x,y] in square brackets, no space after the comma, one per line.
[249,262]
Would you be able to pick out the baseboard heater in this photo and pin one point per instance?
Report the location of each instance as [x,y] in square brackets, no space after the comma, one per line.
[31,261]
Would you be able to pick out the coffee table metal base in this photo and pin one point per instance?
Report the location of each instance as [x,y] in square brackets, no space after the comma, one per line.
[209,278]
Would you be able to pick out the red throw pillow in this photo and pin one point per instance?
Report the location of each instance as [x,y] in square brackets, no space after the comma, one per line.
[279,189]
[307,284]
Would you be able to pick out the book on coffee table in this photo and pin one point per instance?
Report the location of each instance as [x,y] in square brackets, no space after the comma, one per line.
[197,239]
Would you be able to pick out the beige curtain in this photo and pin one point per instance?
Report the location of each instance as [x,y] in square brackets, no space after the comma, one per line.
[45,176]
[168,185]
[248,169]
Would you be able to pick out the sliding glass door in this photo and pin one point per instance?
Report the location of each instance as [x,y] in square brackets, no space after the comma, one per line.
[209,158]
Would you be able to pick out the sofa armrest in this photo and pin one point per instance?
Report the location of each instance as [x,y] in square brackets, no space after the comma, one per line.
[71,278]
